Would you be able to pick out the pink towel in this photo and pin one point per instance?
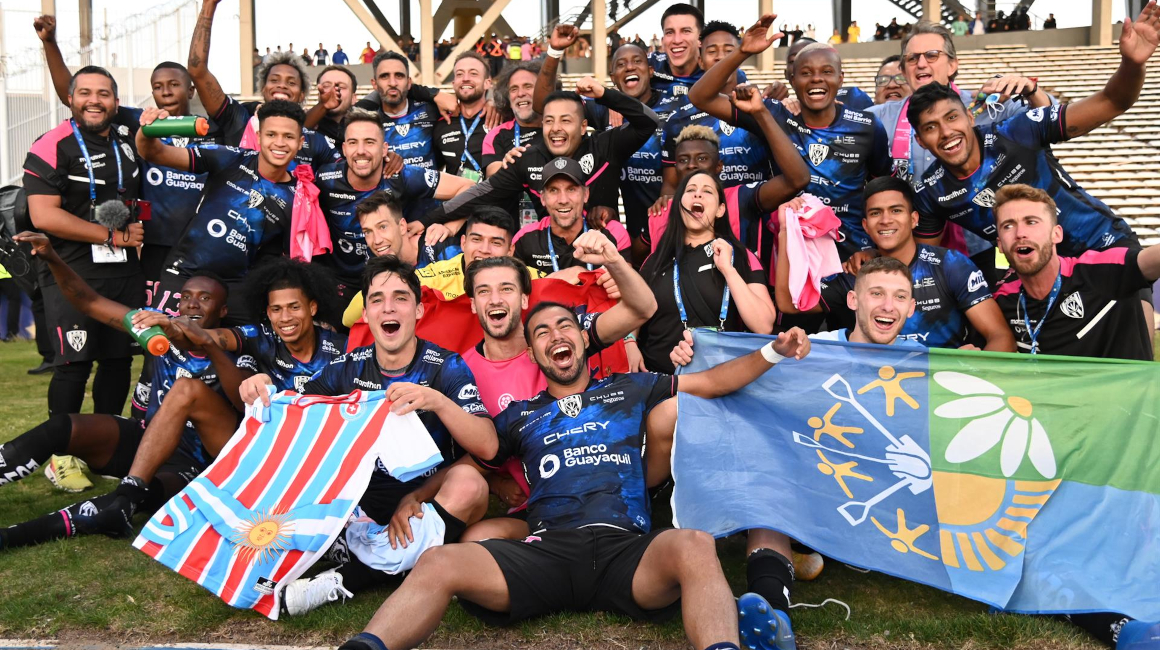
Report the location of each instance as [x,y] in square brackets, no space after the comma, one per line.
[811,237]
[309,234]
[250,135]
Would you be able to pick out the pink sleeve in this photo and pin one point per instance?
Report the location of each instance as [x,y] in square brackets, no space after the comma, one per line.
[532,227]
[619,234]
[489,139]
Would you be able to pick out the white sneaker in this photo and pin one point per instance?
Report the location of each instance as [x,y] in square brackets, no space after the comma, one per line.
[307,594]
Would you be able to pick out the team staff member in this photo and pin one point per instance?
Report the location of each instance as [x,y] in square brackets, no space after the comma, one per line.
[342,186]
[107,442]
[638,571]
[547,246]
[517,87]
[459,142]
[1076,306]
[417,376]
[843,147]
[600,155]
[336,87]
[245,211]
[701,275]
[950,291]
[69,171]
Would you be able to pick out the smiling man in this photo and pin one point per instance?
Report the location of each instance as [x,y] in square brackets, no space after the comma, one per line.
[460,141]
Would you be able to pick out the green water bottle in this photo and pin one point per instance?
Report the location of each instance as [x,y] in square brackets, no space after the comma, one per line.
[186,125]
[152,338]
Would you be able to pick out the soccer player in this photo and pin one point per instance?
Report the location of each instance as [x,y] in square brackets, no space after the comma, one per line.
[407,122]
[600,156]
[108,442]
[950,291]
[282,76]
[417,376]
[342,186]
[677,68]
[1071,305]
[843,146]
[638,571]
[850,96]
[974,161]
[459,143]
[547,246]
[336,88]
[244,213]
[80,164]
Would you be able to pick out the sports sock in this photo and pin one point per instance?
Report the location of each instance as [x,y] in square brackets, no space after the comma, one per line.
[57,525]
[66,389]
[723,646]
[364,641]
[21,456]
[455,526]
[770,575]
[1106,627]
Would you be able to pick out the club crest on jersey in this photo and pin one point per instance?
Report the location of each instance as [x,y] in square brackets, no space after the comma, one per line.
[1072,306]
[985,198]
[128,150]
[902,168]
[300,382]
[586,163]
[818,153]
[77,339]
[181,142]
[727,129]
[256,198]
[402,129]
[183,373]
[570,405]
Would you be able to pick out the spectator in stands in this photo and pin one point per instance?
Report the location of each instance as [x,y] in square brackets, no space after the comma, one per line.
[306,56]
[321,56]
[495,54]
[811,33]
[339,57]
[853,32]
[960,27]
[997,24]
[978,26]
[265,58]
[784,42]
[1021,20]
[836,37]
[795,35]
[1050,22]
[879,32]
[526,50]
[892,29]
[368,53]
[654,45]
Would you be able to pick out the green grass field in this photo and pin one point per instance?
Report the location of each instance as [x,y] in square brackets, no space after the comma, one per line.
[103,590]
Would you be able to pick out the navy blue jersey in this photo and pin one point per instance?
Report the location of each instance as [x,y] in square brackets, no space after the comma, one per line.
[234,118]
[640,175]
[672,85]
[268,354]
[946,284]
[853,98]
[744,153]
[582,454]
[444,250]
[338,201]
[440,369]
[410,135]
[1017,150]
[841,157]
[240,214]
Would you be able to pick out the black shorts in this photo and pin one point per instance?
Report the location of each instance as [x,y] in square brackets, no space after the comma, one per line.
[167,298]
[76,337]
[152,262]
[130,432]
[577,570]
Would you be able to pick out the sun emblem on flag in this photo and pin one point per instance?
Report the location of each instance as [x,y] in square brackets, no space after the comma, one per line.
[262,537]
[995,417]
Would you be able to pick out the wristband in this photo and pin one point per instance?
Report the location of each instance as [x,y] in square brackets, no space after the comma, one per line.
[630,337]
[554,53]
[109,239]
[769,354]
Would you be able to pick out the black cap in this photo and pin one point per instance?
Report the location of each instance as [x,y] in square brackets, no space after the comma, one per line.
[563,166]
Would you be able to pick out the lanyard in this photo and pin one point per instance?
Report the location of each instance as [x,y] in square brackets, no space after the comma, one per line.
[552,249]
[1034,333]
[517,130]
[466,155]
[681,302]
[89,163]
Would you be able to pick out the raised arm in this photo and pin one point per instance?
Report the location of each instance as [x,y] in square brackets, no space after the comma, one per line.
[637,302]
[450,186]
[563,36]
[706,93]
[1138,42]
[781,282]
[45,27]
[78,293]
[640,121]
[740,372]
[156,151]
[795,174]
[208,89]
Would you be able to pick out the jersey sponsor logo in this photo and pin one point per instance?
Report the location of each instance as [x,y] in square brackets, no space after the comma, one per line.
[985,198]
[587,163]
[154,176]
[505,400]
[953,195]
[569,405]
[818,153]
[1072,306]
[347,197]
[432,357]
[371,385]
[976,281]
[77,339]
[1035,114]
[329,141]
[402,129]
[329,176]
[285,364]
[549,465]
[248,362]
[727,129]
[855,117]
[431,176]
[929,256]
[469,391]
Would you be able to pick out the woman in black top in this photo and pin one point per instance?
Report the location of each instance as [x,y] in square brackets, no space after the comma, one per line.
[698,248]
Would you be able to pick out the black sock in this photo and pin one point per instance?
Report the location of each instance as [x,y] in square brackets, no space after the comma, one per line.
[66,389]
[57,525]
[21,456]
[455,527]
[1104,626]
[111,385]
[770,575]
[364,641]
[357,576]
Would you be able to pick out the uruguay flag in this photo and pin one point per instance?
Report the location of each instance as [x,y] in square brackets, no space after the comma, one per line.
[1028,483]
[274,500]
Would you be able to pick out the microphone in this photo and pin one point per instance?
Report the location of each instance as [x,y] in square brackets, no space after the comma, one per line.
[113,214]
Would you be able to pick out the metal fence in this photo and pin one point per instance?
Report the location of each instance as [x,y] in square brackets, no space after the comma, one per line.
[128,47]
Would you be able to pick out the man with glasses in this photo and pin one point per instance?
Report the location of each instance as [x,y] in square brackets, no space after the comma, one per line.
[890,84]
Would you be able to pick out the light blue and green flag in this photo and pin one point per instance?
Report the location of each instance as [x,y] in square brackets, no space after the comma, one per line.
[1031,484]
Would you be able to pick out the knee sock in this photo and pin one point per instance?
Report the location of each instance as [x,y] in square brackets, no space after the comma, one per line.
[111,385]
[57,525]
[770,575]
[21,456]
[723,646]
[455,527]
[364,641]
[1106,627]
[66,389]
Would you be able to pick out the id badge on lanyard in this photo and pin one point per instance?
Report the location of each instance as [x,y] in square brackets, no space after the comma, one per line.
[102,254]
